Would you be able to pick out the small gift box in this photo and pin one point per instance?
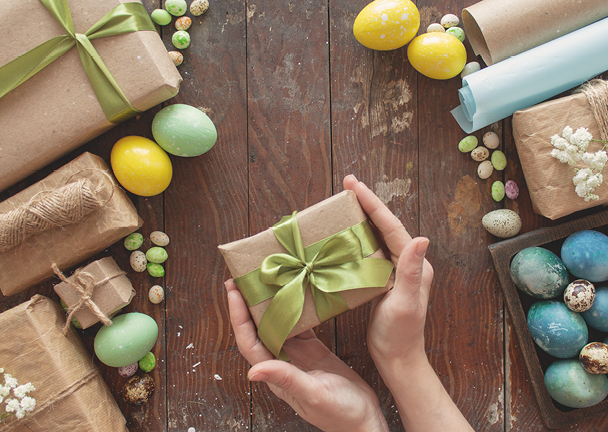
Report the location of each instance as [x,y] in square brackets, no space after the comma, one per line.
[80,86]
[72,236]
[69,391]
[549,181]
[95,292]
[308,268]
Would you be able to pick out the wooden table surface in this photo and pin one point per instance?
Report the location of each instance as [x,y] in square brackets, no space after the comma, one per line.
[298,104]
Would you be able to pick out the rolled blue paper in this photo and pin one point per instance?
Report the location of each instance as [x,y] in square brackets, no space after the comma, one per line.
[531,77]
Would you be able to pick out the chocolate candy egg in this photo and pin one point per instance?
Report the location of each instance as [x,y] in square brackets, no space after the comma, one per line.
[127,340]
[159,238]
[579,295]
[502,223]
[138,390]
[138,261]
[437,55]
[184,130]
[594,358]
[571,385]
[539,272]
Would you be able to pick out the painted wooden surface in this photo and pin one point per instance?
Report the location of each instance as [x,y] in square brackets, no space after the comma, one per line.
[298,104]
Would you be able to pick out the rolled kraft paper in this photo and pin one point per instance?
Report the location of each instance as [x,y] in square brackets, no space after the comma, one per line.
[531,77]
[66,205]
[499,29]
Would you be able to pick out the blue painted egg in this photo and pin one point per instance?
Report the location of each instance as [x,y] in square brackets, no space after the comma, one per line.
[539,272]
[585,255]
[597,315]
[556,329]
[571,385]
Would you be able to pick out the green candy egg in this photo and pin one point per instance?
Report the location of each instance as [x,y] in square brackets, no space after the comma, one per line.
[499,160]
[157,255]
[184,130]
[457,32]
[181,39]
[176,7]
[571,385]
[148,362]
[498,190]
[161,17]
[134,241]
[467,144]
[156,270]
[127,340]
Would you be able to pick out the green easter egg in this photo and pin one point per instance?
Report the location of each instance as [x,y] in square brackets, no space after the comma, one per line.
[498,190]
[176,7]
[499,160]
[134,241]
[467,144]
[148,362]
[157,255]
[181,39]
[457,32]
[161,17]
[156,270]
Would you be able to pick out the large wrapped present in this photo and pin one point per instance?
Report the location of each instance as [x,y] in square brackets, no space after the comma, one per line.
[308,268]
[69,391]
[549,181]
[113,66]
[60,233]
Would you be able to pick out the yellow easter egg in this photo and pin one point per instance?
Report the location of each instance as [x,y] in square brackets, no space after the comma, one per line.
[141,166]
[437,55]
[387,24]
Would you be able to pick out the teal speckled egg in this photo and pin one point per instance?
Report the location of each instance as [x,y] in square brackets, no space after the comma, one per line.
[585,254]
[571,385]
[130,337]
[539,272]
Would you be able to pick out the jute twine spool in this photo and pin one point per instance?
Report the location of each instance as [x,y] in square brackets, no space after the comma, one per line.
[597,94]
[63,206]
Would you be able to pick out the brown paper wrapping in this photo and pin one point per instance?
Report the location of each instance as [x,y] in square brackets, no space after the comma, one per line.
[110,296]
[550,181]
[56,111]
[70,393]
[29,263]
[499,29]
[316,223]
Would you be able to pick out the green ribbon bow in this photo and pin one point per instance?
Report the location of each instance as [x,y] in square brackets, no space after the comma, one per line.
[124,18]
[330,266]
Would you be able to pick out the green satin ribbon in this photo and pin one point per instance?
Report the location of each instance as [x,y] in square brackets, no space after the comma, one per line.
[124,18]
[337,263]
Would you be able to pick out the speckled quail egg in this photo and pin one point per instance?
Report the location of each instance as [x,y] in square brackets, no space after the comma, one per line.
[138,261]
[502,223]
[579,295]
[480,153]
[594,358]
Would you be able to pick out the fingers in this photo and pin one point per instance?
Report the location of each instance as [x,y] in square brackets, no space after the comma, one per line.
[285,376]
[244,329]
[410,270]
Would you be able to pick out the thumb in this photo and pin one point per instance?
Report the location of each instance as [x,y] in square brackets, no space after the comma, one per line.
[284,376]
[408,275]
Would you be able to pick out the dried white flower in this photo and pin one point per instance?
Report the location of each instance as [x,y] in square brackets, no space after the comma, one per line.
[28,404]
[594,181]
[10,381]
[12,405]
[567,132]
[20,406]
[23,390]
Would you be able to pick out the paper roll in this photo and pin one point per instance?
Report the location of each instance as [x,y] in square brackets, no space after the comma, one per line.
[499,29]
[531,77]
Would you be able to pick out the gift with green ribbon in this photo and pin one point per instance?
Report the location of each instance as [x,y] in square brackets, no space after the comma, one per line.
[308,268]
[86,66]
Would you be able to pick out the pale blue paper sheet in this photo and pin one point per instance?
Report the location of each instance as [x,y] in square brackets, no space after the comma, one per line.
[531,77]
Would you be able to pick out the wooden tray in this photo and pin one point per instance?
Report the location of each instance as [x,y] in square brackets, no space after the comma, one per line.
[553,414]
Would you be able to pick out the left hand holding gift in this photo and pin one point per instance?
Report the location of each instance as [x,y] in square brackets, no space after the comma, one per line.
[316,384]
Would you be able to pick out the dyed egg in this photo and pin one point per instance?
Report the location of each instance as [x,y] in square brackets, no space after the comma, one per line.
[138,261]
[437,55]
[127,340]
[502,223]
[199,7]
[128,371]
[485,169]
[148,362]
[181,39]
[457,32]
[133,241]
[490,140]
[184,130]
[176,7]
[157,255]
[539,272]
[156,270]
[138,390]
[161,17]
[435,27]
[159,238]
[470,68]
[556,329]
[511,189]
[597,315]
[480,154]
[499,160]
[449,20]
[387,24]
[571,385]
[585,254]
[467,144]
[579,295]
[594,358]
[141,166]
[176,57]
[498,191]
[156,294]
[183,23]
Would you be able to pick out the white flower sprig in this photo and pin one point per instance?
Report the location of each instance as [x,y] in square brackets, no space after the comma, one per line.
[571,148]
[21,404]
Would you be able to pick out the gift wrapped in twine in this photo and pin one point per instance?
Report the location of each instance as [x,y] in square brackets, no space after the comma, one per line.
[597,94]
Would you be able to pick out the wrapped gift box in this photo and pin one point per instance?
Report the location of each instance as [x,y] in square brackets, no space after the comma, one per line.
[112,290]
[316,223]
[70,393]
[29,263]
[57,107]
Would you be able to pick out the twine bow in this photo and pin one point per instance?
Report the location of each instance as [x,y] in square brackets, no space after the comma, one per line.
[338,265]
[124,18]
[84,283]
[597,94]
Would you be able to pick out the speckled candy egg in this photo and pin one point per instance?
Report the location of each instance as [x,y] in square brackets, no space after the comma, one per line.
[176,57]
[157,255]
[161,17]
[199,7]
[597,315]
[138,261]
[128,371]
[159,238]
[468,143]
[571,385]
[539,272]
[594,358]
[511,189]
[156,270]
[138,390]
[490,140]
[183,23]
[437,55]
[133,241]
[156,294]
[579,295]
[499,160]
[127,340]
[485,169]
[498,191]
[480,153]
[387,24]
[184,130]
[435,27]
[585,254]
[181,39]
[449,20]
[470,68]
[148,362]
[556,329]
[502,223]
[457,32]
[176,7]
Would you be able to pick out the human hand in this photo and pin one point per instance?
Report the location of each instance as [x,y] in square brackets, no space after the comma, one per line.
[316,384]
[396,330]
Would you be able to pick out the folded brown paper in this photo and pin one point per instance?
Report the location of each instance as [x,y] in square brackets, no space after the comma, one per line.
[550,181]
[316,223]
[70,393]
[111,290]
[29,263]
[56,110]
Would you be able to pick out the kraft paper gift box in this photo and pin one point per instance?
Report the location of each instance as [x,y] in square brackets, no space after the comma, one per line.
[112,290]
[316,224]
[70,393]
[57,110]
[30,262]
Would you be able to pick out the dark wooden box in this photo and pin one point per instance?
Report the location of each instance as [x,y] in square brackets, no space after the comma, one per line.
[553,414]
